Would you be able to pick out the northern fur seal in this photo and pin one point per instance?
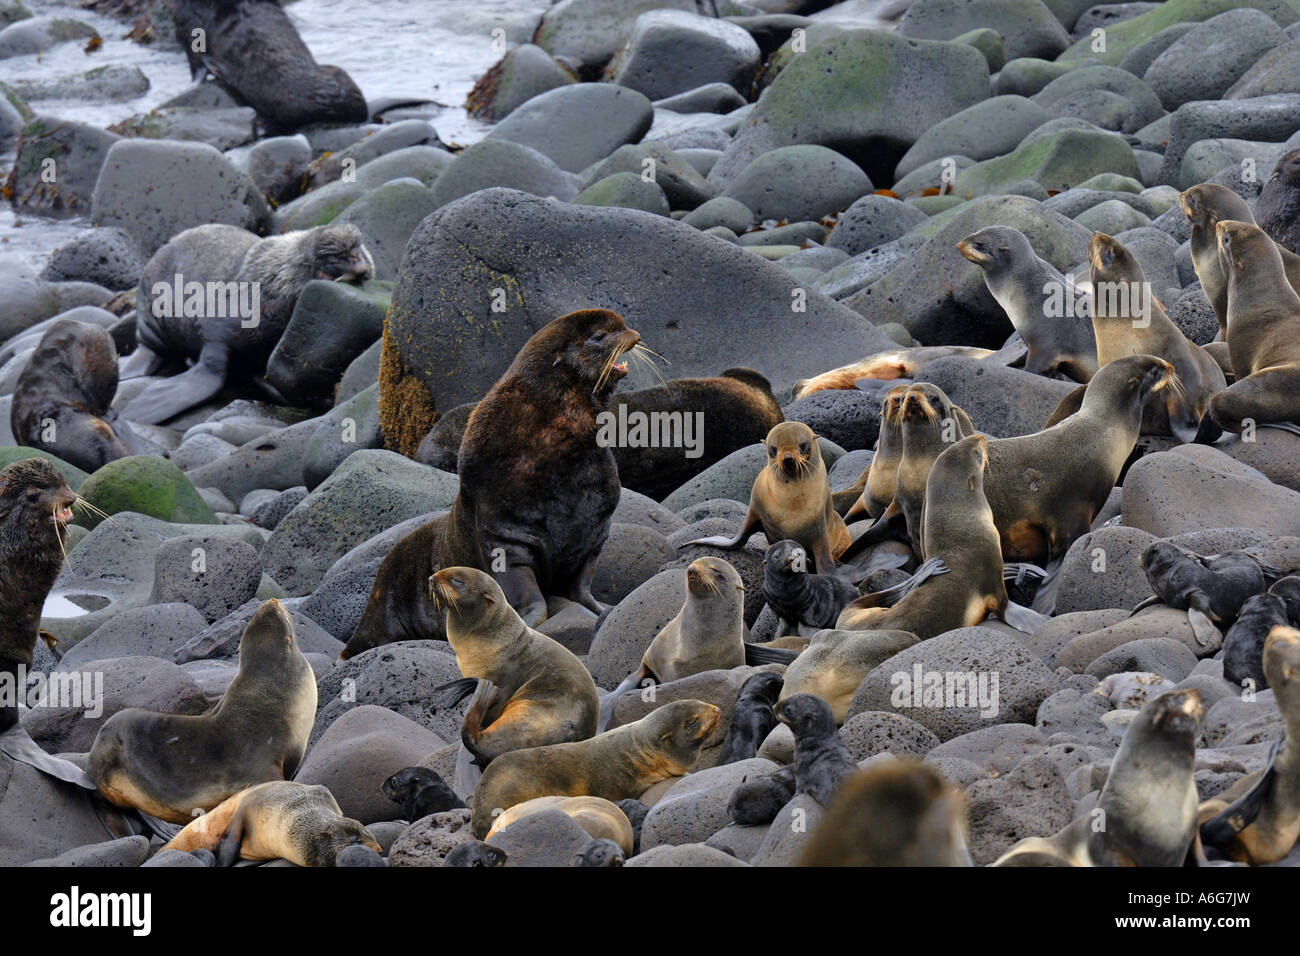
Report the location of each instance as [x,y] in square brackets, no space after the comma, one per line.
[621,763]
[1243,644]
[599,817]
[1146,812]
[222,297]
[475,853]
[836,662]
[1257,819]
[63,396]
[421,792]
[529,690]
[874,489]
[1210,589]
[897,813]
[1205,206]
[1033,293]
[884,367]
[791,498]
[1263,332]
[1277,210]
[599,852]
[536,490]
[805,602]
[35,504]
[275,820]
[172,766]
[752,718]
[253,49]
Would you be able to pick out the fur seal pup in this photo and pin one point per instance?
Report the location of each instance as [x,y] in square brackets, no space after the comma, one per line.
[791,498]
[1205,206]
[621,763]
[529,690]
[62,398]
[874,489]
[1277,209]
[253,49]
[897,813]
[227,310]
[884,367]
[1263,332]
[420,792]
[600,852]
[599,817]
[835,663]
[357,854]
[35,505]
[1033,294]
[171,765]
[475,853]
[804,601]
[1123,327]
[1146,812]
[1210,589]
[276,820]
[1243,644]
[1257,819]
[752,718]
[536,490]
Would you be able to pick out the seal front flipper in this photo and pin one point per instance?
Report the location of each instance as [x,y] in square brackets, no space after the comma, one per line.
[892,523]
[607,703]
[1220,831]
[171,396]
[1203,629]
[519,584]
[1012,351]
[1023,618]
[17,744]
[756,655]
[1045,598]
[750,525]
[454,691]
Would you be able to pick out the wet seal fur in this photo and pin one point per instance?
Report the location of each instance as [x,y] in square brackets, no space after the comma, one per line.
[276,820]
[616,765]
[172,765]
[536,491]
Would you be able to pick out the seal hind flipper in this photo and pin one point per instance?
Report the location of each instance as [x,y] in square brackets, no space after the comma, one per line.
[454,691]
[607,703]
[232,839]
[171,396]
[1045,598]
[1152,601]
[1017,571]
[756,654]
[1013,350]
[1220,831]
[1023,618]
[1203,629]
[17,744]
[892,523]
[879,384]
[1284,426]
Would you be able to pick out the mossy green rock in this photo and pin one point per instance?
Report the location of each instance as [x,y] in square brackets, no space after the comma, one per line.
[1028,28]
[1057,162]
[148,485]
[627,190]
[73,475]
[988,42]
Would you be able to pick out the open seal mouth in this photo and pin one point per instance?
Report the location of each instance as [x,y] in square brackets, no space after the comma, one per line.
[61,515]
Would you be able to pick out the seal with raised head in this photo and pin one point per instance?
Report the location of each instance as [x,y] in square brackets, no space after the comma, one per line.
[62,398]
[253,49]
[1243,644]
[836,662]
[279,819]
[222,297]
[1277,209]
[171,765]
[805,602]
[1257,819]
[1263,333]
[536,490]
[35,505]
[529,690]
[752,717]
[1033,293]
[421,792]
[474,853]
[599,817]
[1147,808]
[621,763]
[874,489]
[895,813]
[791,498]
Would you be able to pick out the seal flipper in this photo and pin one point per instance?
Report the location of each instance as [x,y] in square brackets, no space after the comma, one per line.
[467,774]
[1045,598]
[891,524]
[1203,629]
[928,569]
[1284,426]
[756,655]
[748,528]
[855,574]
[231,840]
[607,703]
[1017,571]
[143,361]
[171,396]
[1152,601]
[17,744]
[1023,618]
[1220,831]
[519,585]
[454,691]
[1013,350]
[875,385]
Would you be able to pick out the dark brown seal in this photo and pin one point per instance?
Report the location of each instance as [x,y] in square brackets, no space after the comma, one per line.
[1277,210]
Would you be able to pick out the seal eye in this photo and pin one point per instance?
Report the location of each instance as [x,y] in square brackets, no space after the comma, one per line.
[803,447]
[771,451]
[34,496]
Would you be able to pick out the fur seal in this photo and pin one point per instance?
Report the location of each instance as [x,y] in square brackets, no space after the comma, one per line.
[752,717]
[1033,293]
[357,854]
[791,498]
[253,49]
[475,853]
[276,820]
[896,813]
[536,490]
[1277,210]
[171,766]
[1210,589]
[621,763]
[1205,206]
[874,489]
[1146,812]
[884,367]
[757,801]
[1263,332]
[420,792]
[835,663]
[599,852]
[62,398]
[1257,819]
[804,601]
[599,817]
[221,297]
[1243,644]
[35,505]
[529,690]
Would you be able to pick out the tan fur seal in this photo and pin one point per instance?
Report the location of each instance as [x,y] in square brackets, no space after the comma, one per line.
[1257,819]
[598,816]
[1205,206]
[1263,332]
[277,820]
[835,663]
[874,489]
[617,765]
[1146,813]
[174,765]
[884,366]
[529,690]
[896,813]
[791,498]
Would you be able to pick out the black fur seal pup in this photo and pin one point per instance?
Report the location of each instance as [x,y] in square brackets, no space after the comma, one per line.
[536,490]
[35,504]
[420,792]
[227,310]
[253,49]
[1277,210]
[752,718]
[805,601]
[475,853]
[62,398]
[1243,644]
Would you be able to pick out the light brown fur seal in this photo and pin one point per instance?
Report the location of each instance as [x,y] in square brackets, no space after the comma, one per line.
[599,817]
[884,366]
[874,489]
